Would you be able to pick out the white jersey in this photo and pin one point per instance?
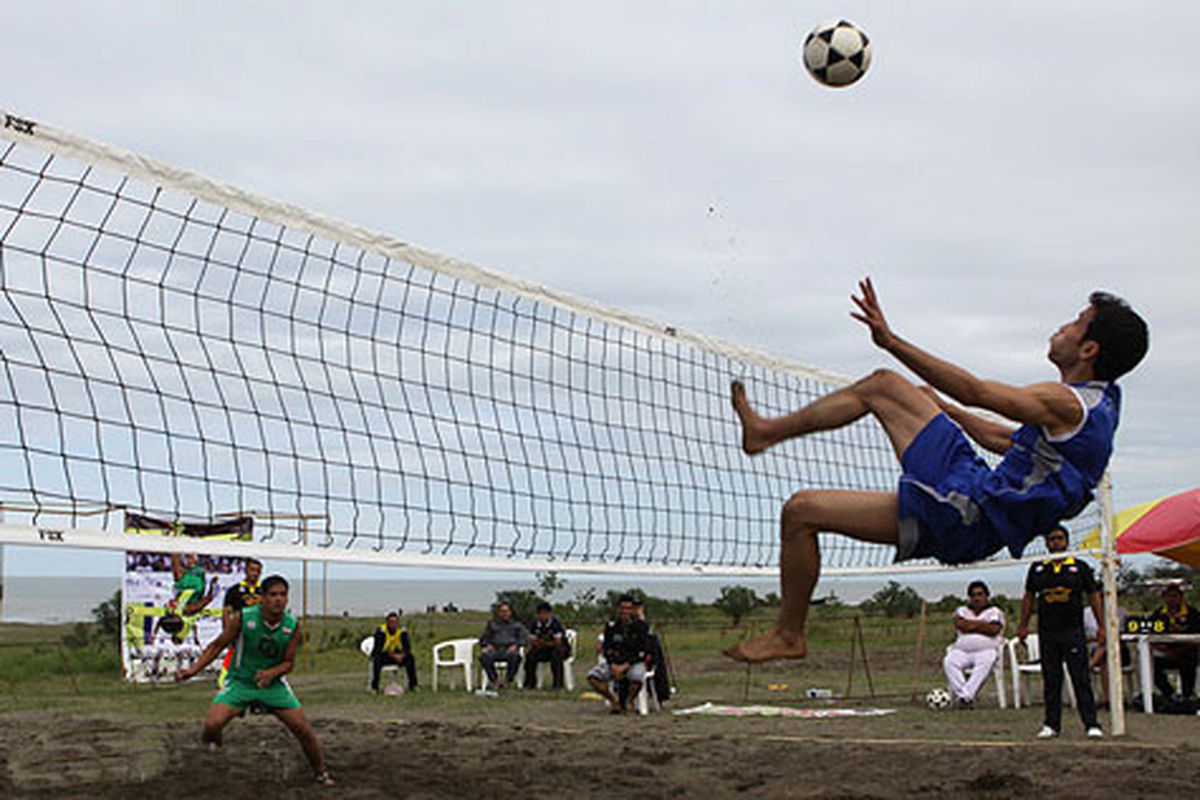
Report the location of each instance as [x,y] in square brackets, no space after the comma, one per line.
[974,642]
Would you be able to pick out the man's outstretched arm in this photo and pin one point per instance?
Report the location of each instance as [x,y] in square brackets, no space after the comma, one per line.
[987,434]
[1050,405]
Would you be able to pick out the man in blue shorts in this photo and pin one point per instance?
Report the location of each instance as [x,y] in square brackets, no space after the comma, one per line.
[949,504]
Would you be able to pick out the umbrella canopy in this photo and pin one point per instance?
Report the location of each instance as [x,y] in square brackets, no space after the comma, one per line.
[1167,527]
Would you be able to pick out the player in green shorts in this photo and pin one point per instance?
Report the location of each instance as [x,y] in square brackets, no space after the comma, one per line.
[264,638]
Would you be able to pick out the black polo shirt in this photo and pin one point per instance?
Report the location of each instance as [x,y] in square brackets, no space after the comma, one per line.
[242,595]
[1186,621]
[1063,587]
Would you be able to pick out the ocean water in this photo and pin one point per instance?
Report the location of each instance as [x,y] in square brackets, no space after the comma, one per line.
[56,599]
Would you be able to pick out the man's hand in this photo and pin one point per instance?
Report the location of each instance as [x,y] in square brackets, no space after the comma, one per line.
[487,648]
[184,674]
[871,315]
[263,678]
[512,648]
[1023,633]
[618,670]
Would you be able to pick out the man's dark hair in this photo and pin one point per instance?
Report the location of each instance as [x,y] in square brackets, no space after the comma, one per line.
[626,598]
[250,561]
[973,585]
[544,606]
[1122,335]
[1059,529]
[271,581]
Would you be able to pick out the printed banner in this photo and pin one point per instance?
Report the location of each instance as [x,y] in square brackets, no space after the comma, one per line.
[173,602]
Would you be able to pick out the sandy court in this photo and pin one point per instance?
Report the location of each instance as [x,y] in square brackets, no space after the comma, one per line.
[557,748]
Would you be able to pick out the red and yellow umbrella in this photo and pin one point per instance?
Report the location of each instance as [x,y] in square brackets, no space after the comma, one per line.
[1168,527]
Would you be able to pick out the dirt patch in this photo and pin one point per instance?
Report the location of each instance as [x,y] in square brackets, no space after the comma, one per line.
[548,749]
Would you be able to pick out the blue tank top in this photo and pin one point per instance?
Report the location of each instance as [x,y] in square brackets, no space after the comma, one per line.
[1043,480]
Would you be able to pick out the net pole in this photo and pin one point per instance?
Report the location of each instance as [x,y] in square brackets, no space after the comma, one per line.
[304,657]
[1112,633]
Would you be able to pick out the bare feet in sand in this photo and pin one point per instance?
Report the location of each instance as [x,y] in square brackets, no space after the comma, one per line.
[754,438]
[771,646]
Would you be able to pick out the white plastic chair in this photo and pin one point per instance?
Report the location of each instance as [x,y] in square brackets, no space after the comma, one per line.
[997,675]
[572,637]
[461,654]
[1023,670]
[367,646]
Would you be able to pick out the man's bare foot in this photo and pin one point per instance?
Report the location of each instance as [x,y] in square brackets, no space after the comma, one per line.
[771,646]
[754,440]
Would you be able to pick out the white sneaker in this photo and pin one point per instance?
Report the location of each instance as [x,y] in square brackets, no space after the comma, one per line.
[1095,733]
[1047,732]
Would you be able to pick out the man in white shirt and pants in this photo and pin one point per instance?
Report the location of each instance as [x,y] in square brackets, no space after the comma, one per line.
[979,625]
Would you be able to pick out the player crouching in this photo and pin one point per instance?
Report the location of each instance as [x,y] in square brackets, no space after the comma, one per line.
[264,639]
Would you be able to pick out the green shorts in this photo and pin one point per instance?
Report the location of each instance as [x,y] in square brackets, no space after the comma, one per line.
[240,694]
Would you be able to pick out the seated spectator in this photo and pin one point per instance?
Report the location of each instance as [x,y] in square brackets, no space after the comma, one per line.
[502,641]
[657,656]
[623,648]
[392,646]
[547,643]
[1179,618]
[979,625]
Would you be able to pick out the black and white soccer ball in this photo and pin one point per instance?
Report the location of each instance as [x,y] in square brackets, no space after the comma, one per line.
[938,699]
[837,53]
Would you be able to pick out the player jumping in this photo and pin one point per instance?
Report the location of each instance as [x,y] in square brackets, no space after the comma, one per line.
[265,638]
[950,505]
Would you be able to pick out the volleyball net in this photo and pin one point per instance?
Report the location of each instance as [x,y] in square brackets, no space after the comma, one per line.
[174,347]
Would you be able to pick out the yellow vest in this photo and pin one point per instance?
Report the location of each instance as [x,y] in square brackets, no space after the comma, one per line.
[391,641]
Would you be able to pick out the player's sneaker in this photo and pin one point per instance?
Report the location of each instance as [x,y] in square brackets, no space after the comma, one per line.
[1047,732]
[1095,732]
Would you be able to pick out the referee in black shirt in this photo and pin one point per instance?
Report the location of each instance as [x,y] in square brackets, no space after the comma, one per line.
[1062,585]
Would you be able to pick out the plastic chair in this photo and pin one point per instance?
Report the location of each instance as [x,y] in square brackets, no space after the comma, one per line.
[568,678]
[461,654]
[1023,670]
[997,675]
[367,646]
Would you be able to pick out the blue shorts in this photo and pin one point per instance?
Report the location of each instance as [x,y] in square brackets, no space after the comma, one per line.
[940,516]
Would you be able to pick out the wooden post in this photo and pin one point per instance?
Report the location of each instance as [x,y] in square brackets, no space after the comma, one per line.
[862,646]
[850,671]
[305,659]
[920,656]
[1112,632]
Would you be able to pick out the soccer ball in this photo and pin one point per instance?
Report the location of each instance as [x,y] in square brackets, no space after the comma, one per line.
[837,53]
[938,699]
[393,690]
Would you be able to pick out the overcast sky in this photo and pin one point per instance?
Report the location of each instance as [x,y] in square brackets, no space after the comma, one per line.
[996,164]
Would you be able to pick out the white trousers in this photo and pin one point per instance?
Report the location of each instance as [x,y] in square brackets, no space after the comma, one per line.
[958,662]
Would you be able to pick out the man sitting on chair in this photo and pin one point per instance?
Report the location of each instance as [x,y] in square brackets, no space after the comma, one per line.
[392,647]
[547,643]
[1178,617]
[502,641]
[979,624]
[623,647]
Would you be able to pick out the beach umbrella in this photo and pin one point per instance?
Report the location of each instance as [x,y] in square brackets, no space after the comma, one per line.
[1169,527]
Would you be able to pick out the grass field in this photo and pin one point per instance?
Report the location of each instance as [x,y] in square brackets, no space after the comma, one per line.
[73,727]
